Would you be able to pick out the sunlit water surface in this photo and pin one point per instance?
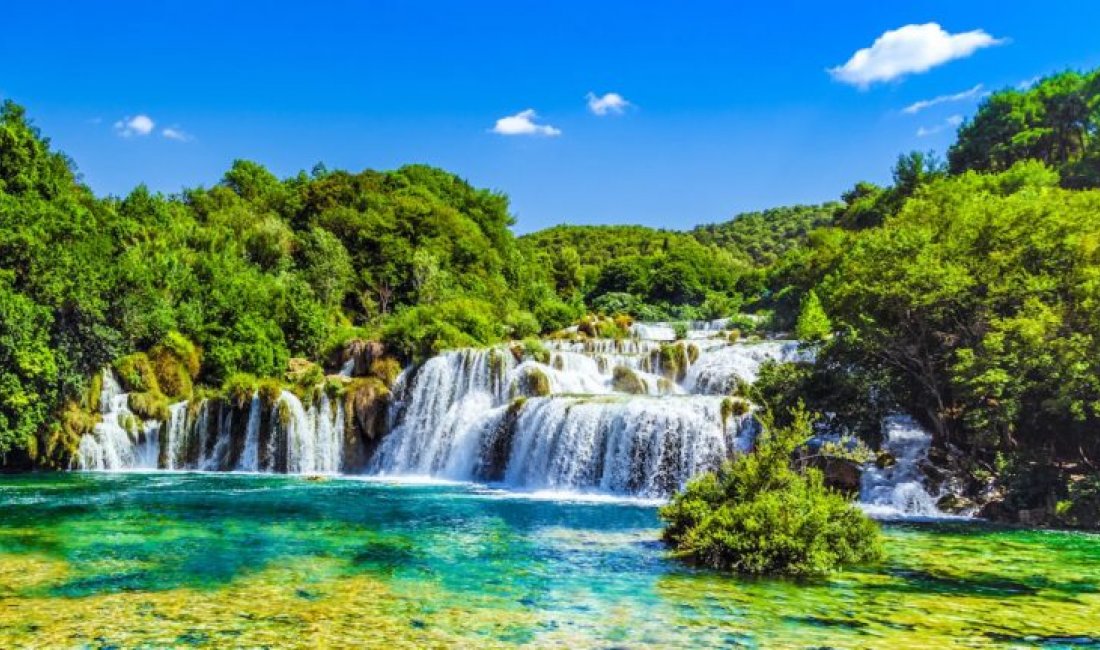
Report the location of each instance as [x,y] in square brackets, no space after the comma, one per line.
[205,560]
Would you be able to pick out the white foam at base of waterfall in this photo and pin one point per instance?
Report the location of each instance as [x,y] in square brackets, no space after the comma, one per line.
[898,489]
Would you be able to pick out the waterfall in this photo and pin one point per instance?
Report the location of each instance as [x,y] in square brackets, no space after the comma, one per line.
[120,440]
[717,371]
[250,455]
[638,445]
[315,436]
[625,416]
[472,415]
[898,489]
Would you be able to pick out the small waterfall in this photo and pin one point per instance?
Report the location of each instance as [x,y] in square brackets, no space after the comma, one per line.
[718,370]
[898,490]
[638,445]
[120,440]
[250,455]
[315,437]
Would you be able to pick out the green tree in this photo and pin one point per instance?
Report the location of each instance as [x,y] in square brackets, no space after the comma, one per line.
[813,324]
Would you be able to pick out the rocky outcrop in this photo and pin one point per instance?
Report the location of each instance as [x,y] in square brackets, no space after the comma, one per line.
[365,403]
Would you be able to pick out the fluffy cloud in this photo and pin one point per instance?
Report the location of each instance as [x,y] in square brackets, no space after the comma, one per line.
[175,133]
[907,50]
[136,125]
[950,123]
[523,123]
[917,107]
[608,103]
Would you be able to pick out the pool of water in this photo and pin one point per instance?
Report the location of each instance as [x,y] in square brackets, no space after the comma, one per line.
[224,560]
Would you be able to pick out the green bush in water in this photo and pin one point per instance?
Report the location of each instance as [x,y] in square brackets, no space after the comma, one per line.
[757,515]
[625,380]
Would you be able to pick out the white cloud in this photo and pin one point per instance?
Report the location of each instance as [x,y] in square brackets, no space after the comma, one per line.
[136,125]
[176,133]
[907,50]
[523,123]
[950,123]
[917,107]
[608,103]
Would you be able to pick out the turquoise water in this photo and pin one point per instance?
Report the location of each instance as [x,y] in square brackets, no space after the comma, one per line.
[205,560]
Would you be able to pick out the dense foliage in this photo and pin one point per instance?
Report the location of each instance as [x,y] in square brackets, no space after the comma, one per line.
[758,515]
[1055,121]
[249,273]
[964,292]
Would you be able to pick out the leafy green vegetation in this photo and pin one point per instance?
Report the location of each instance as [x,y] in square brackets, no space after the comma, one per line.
[1055,121]
[965,293]
[758,515]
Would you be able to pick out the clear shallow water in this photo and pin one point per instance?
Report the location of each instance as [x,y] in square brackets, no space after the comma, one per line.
[209,560]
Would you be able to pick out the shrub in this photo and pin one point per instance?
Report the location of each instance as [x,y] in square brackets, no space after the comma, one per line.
[386,369]
[757,515]
[554,315]
[534,349]
[522,324]
[419,332]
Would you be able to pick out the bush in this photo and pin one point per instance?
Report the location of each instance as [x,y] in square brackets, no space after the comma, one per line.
[419,332]
[522,324]
[757,515]
[149,405]
[385,369]
[555,315]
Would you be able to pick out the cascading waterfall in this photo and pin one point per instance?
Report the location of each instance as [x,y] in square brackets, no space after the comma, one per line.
[898,489]
[637,416]
[120,440]
[212,435]
[473,414]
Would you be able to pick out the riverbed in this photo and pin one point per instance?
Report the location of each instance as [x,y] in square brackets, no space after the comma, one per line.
[201,560]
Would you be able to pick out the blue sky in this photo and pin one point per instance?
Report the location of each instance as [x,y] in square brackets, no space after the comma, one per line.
[730,106]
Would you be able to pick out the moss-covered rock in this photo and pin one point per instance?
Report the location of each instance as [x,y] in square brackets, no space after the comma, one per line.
[239,387]
[366,401]
[673,360]
[535,350]
[498,444]
[135,373]
[386,370]
[734,407]
[625,380]
[149,405]
[533,382]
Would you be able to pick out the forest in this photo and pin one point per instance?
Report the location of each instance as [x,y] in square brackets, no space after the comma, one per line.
[966,293]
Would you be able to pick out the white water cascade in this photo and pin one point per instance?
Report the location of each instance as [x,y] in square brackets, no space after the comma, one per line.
[596,414]
[212,435]
[636,416]
[120,440]
[898,489]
